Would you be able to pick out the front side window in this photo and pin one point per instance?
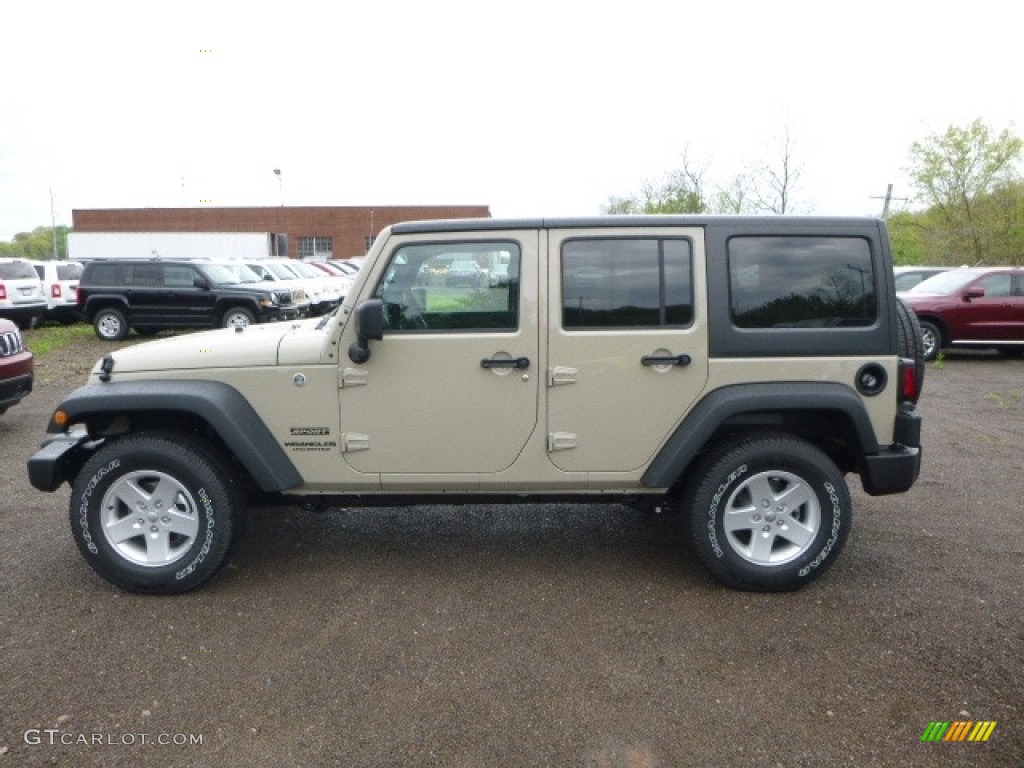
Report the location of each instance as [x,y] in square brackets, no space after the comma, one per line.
[801,282]
[626,283]
[463,286]
[996,286]
[179,276]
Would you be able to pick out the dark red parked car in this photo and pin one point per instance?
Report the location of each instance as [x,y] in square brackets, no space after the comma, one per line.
[978,307]
[15,366]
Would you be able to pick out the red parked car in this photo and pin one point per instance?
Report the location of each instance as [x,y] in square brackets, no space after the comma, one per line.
[15,366]
[979,307]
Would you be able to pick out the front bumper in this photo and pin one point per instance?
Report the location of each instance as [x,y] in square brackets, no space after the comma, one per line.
[58,460]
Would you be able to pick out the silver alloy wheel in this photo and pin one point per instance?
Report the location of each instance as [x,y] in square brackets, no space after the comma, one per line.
[237,319]
[772,518]
[149,518]
[109,325]
[930,342]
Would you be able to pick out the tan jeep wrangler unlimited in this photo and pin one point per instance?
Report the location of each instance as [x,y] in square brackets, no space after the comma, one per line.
[734,369]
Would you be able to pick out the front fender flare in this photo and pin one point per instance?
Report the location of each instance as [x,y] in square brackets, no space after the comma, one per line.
[220,405]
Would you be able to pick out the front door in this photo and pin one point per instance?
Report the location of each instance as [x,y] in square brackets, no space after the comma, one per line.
[451,390]
[627,339]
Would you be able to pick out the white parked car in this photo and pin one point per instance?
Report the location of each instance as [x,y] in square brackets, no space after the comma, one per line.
[60,286]
[21,293]
[272,272]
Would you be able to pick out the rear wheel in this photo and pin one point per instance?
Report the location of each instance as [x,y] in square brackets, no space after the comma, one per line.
[910,339]
[110,324]
[770,513]
[155,512]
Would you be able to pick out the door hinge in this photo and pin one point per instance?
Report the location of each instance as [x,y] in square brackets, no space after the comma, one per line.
[352,441]
[352,377]
[561,441]
[560,374]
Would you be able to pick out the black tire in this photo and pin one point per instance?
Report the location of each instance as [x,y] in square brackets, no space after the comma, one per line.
[121,519]
[238,317]
[931,338]
[753,483]
[910,341]
[110,324]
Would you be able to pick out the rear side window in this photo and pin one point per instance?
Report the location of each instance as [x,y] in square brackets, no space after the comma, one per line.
[801,282]
[626,283]
[144,275]
[103,274]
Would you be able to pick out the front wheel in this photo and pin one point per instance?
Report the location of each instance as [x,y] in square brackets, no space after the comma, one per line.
[155,512]
[238,317]
[931,337]
[770,513]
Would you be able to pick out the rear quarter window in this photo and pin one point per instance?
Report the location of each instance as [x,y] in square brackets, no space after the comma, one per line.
[103,274]
[801,282]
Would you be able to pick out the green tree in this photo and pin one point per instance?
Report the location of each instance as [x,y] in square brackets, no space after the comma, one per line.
[968,179]
[37,244]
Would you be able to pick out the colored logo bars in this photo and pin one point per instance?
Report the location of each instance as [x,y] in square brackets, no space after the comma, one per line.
[959,730]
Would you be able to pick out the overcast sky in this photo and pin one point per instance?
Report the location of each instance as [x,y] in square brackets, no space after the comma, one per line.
[534,108]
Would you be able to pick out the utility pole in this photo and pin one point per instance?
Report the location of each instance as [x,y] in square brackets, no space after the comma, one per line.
[888,199]
[53,225]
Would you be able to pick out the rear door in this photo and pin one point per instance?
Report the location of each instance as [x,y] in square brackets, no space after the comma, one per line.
[144,290]
[627,336]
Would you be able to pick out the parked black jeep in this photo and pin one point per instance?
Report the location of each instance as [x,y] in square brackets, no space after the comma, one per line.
[149,295]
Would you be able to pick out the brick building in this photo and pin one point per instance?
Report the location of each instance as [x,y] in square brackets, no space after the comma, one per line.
[321,232]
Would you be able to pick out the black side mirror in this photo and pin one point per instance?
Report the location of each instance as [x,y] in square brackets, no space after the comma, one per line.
[369,319]
[201,282]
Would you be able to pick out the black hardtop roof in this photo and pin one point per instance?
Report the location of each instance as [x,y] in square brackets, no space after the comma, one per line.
[761,223]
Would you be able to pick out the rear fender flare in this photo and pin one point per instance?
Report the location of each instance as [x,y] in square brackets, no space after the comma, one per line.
[728,402]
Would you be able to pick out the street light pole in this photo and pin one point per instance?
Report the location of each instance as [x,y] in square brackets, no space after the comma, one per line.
[280,184]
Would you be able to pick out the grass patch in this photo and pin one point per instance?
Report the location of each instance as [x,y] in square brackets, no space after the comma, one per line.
[51,337]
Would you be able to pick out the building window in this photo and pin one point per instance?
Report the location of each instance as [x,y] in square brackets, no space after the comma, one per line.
[316,247]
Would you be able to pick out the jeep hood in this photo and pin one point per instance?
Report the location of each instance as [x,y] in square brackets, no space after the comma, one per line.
[253,347]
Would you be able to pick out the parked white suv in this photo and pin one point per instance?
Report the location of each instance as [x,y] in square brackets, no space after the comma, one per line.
[21,293]
[60,286]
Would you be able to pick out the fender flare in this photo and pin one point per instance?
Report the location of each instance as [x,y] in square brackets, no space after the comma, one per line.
[220,405]
[723,404]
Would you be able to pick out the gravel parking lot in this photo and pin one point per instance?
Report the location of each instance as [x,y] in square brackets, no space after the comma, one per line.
[534,635]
